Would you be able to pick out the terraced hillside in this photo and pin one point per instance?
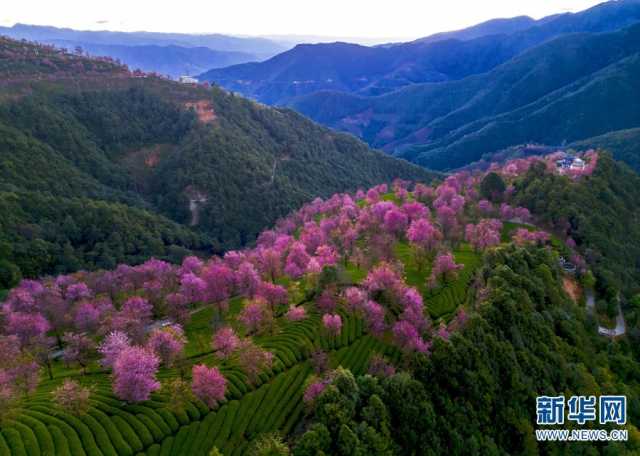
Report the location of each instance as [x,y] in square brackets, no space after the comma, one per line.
[229,351]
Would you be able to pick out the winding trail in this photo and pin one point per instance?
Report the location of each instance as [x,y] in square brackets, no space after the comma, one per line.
[620,328]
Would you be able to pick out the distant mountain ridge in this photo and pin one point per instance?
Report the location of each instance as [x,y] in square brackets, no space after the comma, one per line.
[531,98]
[366,71]
[172,54]
[170,60]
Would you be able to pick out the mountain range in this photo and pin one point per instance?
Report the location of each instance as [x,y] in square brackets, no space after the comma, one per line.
[446,100]
[370,71]
[171,54]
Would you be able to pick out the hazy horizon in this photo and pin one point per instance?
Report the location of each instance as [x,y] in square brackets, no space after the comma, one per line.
[283,19]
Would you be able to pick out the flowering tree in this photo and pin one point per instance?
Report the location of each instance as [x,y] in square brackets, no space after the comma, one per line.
[192,287]
[445,268]
[219,279]
[313,391]
[413,309]
[247,280]
[177,308]
[270,262]
[485,206]
[448,220]
[523,236]
[443,332]
[380,367]
[112,346]
[424,237]
[78,349]
[485,234]
[332,323]
[374,315]
[25,376]
[506,212]
[78,291]
[87,317]
[72,397]
[225,342]
[256,316]
[134,373]
[522,214]
[208,384]
[19,373]
[191,264]
[253,360]
[28,327]
[296,313]
[327,255]
[276,296]
[326,302]
[312,236]
[297,260]
[133,318]
[355,299]
[407,337]
[167,343]
[415,210]
[395,221]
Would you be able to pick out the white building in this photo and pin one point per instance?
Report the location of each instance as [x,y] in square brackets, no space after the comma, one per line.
[188,80]
[578,164]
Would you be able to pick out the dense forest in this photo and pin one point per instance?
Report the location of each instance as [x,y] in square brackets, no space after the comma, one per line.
[166,167]
[476,393]
[600,214]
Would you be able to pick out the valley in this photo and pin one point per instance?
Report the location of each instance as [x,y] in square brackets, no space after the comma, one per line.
[216,244]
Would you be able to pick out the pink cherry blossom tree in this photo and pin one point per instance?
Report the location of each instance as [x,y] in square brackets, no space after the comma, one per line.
[332,323]
[256,316]
[225,342]
[296,313]
[167,343]
[424,238]
[78,349]
[112,346]
[208,385]
[444,268]
[134,373]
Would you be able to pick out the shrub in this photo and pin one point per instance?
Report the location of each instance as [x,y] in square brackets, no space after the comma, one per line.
[45,441]
[128,433]
[72,397]
[121,446]
[60,441]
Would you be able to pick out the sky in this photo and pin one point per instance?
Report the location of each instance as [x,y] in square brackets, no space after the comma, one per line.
[397,19]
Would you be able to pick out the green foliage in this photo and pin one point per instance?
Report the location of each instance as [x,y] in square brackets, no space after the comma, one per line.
[623,144]
[91,173]
[269,445]
[492,372]
[492,187]
[599,213]
[350,419]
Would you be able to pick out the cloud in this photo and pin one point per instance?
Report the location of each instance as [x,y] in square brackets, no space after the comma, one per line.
[102,22]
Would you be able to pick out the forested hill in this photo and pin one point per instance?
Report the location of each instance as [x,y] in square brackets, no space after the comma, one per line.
[100,166]
[398,321]
[531,98]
